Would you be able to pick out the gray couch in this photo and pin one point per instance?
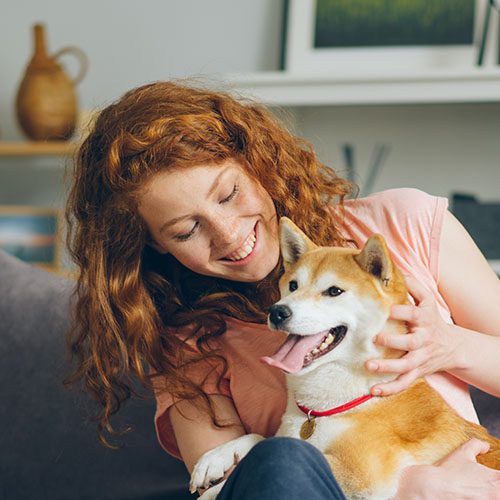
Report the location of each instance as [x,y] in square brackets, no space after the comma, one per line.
[48,449]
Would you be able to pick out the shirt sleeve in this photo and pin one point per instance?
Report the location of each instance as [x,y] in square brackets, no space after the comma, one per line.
[205,373]
[441,205]
[414,219]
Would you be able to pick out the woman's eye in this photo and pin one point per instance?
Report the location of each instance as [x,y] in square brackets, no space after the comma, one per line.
[235,190]
[186,236]
[293,285]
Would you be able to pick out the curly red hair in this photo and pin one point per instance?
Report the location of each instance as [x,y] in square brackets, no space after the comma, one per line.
[129,299]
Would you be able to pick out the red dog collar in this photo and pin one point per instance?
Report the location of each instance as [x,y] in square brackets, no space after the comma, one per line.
[337,409]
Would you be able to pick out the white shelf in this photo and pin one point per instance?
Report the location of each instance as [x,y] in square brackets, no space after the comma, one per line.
[281,88]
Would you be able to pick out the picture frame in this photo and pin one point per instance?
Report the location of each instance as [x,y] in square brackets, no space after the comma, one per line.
[32,234]
[303,51]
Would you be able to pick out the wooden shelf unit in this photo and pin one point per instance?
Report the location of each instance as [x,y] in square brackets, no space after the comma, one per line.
[37,148]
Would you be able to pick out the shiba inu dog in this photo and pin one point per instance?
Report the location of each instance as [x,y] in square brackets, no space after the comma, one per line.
[333,302]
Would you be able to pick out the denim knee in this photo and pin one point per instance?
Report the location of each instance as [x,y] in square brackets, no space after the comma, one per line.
[282,467]
[287,456]
[275,450]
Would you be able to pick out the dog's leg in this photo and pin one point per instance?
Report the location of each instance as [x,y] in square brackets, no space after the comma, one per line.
[491,458]
[211,493]
[213,465]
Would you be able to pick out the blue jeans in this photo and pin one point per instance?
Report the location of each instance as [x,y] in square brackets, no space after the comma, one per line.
[282,468]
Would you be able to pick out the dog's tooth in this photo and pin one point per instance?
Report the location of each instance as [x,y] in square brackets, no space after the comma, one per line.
[329,339]
[315,350]
[324,345]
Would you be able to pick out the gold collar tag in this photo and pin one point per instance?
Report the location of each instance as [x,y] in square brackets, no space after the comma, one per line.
[308,427]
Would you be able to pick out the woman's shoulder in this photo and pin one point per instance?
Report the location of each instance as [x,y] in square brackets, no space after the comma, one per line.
[409,219]
[403,199]
[401,208]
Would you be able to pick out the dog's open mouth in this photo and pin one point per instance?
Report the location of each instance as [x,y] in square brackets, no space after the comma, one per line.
[300,351]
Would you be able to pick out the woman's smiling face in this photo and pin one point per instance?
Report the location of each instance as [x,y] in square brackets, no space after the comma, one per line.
[215,220]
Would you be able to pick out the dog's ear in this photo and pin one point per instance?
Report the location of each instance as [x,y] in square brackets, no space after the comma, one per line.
[375,259]
[293,242]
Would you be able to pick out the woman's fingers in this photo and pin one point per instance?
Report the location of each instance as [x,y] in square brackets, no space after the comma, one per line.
[396,365]
[467,451]
[418,291]
[397,385]
[401,342]
[405,313]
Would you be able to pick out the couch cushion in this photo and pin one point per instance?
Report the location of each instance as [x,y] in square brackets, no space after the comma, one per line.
[49,448]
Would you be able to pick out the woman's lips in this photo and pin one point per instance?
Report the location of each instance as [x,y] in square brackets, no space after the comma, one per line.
[246,259]
[245,249]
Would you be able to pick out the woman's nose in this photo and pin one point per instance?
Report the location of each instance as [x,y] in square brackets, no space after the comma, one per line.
[224,231]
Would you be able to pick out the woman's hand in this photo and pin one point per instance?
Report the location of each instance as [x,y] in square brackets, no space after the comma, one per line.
[457,477]
[430,342]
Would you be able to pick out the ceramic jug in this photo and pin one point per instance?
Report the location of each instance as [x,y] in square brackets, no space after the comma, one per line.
[46,103]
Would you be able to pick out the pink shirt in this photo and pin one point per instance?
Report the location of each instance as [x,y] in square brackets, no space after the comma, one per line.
[410,221]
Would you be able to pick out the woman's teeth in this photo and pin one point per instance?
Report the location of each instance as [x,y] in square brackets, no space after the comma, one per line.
[244,250]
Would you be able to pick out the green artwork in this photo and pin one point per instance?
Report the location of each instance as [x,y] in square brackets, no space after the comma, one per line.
[368,23]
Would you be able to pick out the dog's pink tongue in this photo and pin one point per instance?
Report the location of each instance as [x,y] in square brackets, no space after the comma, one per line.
[290,356]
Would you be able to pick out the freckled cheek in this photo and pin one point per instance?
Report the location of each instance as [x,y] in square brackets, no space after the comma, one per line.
[195,258]
[260,207]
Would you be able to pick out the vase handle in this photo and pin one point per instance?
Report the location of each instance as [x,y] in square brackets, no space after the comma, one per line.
[82,58]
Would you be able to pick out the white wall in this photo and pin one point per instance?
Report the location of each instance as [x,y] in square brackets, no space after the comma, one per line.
[128,43]
[436,148]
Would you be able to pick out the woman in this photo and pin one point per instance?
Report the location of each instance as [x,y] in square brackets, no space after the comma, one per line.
[173,223]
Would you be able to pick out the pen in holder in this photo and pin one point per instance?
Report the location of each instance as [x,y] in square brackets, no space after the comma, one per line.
[379,157]
[489,35]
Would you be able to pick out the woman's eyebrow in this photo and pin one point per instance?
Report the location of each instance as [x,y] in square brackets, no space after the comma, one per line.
[212,189]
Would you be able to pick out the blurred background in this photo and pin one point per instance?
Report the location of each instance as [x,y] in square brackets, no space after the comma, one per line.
[433,140]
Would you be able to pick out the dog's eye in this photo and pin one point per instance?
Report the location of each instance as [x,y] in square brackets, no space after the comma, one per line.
[333,291]
[293,285]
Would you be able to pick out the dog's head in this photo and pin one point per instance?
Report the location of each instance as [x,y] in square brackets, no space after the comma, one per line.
[333,301]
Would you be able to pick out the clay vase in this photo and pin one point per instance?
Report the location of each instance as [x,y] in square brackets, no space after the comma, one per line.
[46,102]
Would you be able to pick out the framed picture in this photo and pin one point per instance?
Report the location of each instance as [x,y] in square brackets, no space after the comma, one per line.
[32,234]
[380,36]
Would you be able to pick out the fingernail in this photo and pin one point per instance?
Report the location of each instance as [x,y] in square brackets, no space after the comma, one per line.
[377,391]
[372,365]
[375,339]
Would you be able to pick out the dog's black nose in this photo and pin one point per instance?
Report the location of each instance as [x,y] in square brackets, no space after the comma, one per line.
[279,313]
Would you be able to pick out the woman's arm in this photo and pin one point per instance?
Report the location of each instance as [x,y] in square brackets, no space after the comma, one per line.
[195,431]
[471,348]
[466,281]
[472,291]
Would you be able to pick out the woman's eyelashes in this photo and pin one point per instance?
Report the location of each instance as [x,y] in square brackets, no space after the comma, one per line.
[234,192]
[186,236]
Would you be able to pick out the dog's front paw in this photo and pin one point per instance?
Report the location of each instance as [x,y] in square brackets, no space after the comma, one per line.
[212,466]
[211,493]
